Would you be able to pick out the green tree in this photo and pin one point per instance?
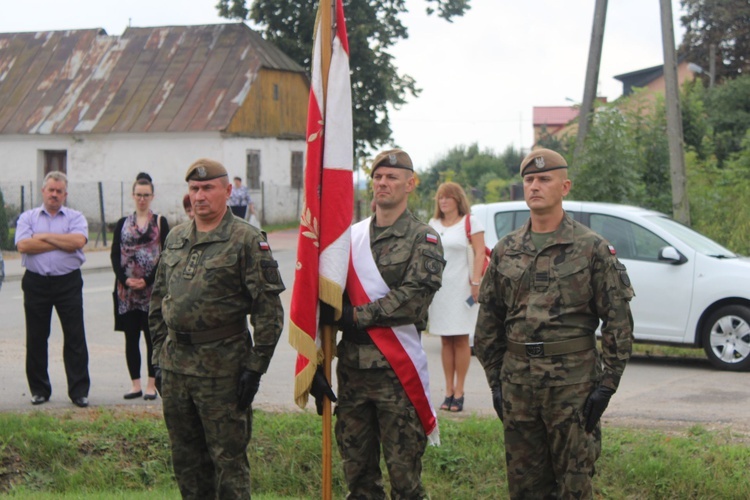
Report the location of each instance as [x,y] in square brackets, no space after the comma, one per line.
[720,198]
[497,190]
[511,158]
[649,134]
[723,23]
[727,110]
[549,141]
[472,168]
[607,169]
[373,28]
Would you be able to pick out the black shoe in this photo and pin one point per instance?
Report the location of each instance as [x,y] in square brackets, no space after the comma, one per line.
[149,397]
[447,402]
[81,402]
[133,395]
[38,400]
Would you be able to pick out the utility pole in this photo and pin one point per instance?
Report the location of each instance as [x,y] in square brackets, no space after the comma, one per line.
[680,206]
[592,74]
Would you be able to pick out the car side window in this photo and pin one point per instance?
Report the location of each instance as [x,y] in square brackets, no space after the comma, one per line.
[503,223]
[630,240]
[520,219]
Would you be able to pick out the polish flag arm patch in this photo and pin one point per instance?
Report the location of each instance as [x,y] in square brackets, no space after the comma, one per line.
[263,245]
[612,250]
[431,238]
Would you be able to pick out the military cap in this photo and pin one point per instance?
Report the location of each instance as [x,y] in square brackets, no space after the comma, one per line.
[395,158]
[205,170]
[542,160]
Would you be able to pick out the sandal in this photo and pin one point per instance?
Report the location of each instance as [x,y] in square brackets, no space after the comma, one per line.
[457,405]
[447,402]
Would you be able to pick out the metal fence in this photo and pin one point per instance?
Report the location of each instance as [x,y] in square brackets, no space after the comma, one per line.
[103,203]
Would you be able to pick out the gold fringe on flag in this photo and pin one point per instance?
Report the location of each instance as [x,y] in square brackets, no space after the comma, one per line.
[305,345]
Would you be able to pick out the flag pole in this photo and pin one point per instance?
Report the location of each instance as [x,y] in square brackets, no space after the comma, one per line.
[327,12]
[327,479]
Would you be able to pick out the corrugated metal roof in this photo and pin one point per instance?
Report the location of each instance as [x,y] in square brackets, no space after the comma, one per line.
[172,78]
[554,115]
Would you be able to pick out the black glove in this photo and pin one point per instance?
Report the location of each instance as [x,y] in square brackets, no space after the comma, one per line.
[347,317]
[497,401]
[327,314]
[320,388]
[595,405]
[157,379]
[247,387]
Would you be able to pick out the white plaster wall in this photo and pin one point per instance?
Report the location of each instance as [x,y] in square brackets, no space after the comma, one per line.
[115,160]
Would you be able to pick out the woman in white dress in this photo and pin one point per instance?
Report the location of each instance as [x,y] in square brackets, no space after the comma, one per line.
[453,312]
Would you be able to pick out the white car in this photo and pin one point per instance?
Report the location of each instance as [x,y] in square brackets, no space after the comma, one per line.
[689,289]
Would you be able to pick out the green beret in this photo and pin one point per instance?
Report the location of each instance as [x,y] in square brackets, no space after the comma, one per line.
[542,160]
[395,158]
[205,170]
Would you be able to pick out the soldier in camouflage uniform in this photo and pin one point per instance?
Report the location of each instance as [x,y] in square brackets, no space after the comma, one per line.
[373,407]
[548,285]
[213,272]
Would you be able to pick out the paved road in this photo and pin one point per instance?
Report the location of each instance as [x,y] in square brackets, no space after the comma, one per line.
[653,392]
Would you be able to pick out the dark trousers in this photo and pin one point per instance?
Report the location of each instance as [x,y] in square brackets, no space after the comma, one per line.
[65,294]
[373,411]
[136,322]
[208,434]
[239,210]
[547,450]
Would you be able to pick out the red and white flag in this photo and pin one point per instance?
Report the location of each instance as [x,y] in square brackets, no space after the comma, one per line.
[324,237]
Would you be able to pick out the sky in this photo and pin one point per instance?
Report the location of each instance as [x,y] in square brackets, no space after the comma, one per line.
[480,75]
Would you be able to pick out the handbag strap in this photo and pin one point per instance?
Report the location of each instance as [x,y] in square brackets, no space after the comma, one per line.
[467,224]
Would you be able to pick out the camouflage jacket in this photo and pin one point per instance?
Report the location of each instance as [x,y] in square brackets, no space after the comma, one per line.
[411,264]
[209,280]
[557,293]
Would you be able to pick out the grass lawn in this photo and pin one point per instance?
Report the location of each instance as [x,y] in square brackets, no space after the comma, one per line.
[123,453]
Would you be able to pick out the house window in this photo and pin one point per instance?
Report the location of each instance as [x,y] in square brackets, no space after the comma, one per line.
[296,170]
[275,91]
[55,161]
[253,169]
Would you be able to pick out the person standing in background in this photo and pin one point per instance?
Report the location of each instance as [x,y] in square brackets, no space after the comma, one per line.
[51,240]
[187,206]
[453,312]
[137,242]
[239,200]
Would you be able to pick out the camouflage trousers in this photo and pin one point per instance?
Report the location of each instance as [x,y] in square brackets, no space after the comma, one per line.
[373,409]
[209,436]
[548,452]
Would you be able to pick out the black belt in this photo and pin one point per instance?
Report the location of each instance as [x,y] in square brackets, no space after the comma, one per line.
[357,336]
[53,276]
[211,335]
[361,337]
[544,349]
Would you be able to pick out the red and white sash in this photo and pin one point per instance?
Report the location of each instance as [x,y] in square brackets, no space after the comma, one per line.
[400,345]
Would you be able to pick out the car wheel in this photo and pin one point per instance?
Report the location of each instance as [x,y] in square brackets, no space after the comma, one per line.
[726,338]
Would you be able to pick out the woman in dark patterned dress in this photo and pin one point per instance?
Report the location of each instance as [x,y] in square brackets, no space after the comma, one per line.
[137,243]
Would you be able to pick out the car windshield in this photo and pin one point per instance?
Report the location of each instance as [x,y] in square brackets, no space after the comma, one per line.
[696,240]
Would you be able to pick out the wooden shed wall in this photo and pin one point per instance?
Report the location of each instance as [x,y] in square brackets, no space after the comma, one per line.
[261,115]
